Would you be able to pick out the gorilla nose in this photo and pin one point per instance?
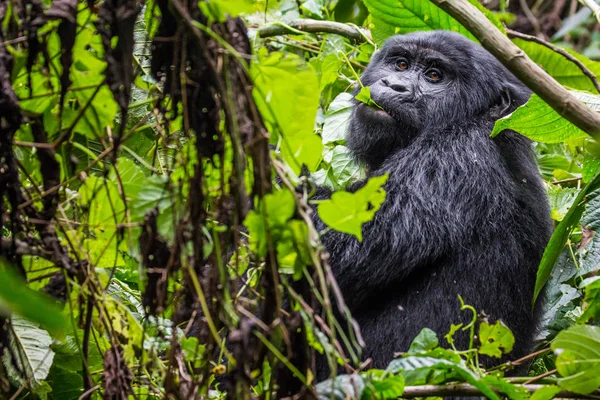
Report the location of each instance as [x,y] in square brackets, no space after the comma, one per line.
[398,87]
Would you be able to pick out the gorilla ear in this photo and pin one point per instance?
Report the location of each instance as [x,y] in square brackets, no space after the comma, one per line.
[505,105]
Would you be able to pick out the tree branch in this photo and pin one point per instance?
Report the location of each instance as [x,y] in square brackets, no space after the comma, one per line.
[560,51]
[517,61]
[313,26]
[464,389]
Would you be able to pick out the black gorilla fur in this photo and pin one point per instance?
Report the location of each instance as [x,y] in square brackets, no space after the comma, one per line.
[465,214]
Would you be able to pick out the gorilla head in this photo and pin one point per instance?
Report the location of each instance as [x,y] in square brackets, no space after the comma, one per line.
[427,80]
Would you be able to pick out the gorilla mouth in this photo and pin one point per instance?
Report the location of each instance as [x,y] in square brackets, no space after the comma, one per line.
[375,111]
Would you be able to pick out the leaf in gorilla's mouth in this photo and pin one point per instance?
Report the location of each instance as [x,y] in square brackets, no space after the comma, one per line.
[364,96]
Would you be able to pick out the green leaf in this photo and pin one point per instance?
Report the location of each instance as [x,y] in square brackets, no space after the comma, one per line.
[344,169]
[560,68]
[343,387]
[578,358]
[560,199]
[426,340]
[337,119]
[390,17]
[18,298]
[347,212]
[33,356]
[545,393]
[539,122]
[327,68]
[591,302]
[287,92]
[273,213]
[431,364]
[513,392]
[364,96]
[382,385]
[561,234]
[496,340]
[220,9]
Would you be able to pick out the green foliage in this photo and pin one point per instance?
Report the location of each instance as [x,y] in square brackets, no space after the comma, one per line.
[109,188]
[16,297]
[347,212]
[390,17]
[279,78]
[496,340]
[578,361]
[561,69]
[539,122]
[561,234]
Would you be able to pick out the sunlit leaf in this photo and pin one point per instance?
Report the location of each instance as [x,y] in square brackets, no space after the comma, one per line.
[391,17]
[347,212]
[578,361]
[496,340]
[18,298]
[538,121]
[287,95]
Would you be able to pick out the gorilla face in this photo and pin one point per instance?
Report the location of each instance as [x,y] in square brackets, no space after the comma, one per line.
[423,80]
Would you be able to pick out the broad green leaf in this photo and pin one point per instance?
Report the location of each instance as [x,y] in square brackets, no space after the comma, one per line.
[33,356]
[18,298]
[560,199]
[343,387]
[578,358]
[496,340]
[347,212]
[327,68]
[337,119]
[390,17]
[286,92]
[561,69]
[344,169]
[561,234]
[513,392]
[364,96]
[545,393]
[591,302]
[220,9]
[431,364]
[382,385]
[271,216]
[426,340]
[538,121]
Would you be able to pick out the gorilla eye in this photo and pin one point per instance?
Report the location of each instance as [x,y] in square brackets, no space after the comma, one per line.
[402,64]
[434,75]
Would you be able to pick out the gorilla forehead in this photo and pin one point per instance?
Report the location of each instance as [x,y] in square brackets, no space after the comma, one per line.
[452,47]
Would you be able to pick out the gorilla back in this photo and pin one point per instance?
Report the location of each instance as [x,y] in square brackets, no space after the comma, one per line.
[464,215]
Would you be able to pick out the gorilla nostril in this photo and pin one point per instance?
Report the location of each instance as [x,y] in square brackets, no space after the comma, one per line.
[385,82]
[399,88]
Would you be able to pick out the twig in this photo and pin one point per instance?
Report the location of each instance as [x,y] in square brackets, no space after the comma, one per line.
[575,179]
[530,16]
[560,51]
[542,376]
[517,61]
[313,26]
[464,389]
[591,4]
[21,248]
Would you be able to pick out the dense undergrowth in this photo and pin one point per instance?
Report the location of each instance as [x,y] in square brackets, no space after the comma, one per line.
[148,250]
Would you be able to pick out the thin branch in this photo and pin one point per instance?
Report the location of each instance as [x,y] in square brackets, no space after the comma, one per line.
[591,4]
[517,61]
[464,389]
[22,248]
[313,26]
[560,51]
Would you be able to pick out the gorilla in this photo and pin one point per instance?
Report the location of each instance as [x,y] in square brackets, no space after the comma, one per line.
[464,214]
